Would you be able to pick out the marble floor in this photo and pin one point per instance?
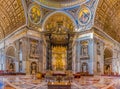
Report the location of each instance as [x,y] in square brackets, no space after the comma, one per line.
[26,82]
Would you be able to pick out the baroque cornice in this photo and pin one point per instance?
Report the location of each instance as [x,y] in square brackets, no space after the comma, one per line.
[104,35]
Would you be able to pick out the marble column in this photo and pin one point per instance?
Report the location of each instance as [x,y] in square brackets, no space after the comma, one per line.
[91,54]
[77,56]
[44,57]
[16,66]
[49,55]
[102,58]
[25,55]
[69,56]
[41,56]
[17,44]
[95,56]
[27,67]
[74,58]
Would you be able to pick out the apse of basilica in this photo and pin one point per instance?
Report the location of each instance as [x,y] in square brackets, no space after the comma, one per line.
[81,36]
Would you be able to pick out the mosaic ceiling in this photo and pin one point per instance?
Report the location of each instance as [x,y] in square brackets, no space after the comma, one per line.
[11,16]
[108,17]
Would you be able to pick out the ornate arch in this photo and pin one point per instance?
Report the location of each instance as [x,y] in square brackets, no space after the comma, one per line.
[59,12]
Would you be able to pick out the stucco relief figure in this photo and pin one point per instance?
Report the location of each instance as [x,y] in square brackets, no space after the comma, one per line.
[84,50]
[32,50]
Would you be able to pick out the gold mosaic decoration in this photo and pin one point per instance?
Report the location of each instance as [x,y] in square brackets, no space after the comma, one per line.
[84,16]
[59,23]
[35,14]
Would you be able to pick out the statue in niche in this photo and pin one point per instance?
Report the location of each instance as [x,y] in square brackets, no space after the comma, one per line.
[11,67]
[33,48]
[107,70]
[85,50]
[33,67]
[20,66]
[32,51]
[98,67]
[84,67]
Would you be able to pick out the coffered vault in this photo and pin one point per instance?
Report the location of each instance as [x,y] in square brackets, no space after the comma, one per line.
[11,16]
[108,17]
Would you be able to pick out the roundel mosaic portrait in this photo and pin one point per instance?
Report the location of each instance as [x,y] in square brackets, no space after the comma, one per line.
[35,14]
[84,16]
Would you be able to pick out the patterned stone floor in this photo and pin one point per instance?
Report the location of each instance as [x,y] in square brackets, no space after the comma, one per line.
[26,82]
